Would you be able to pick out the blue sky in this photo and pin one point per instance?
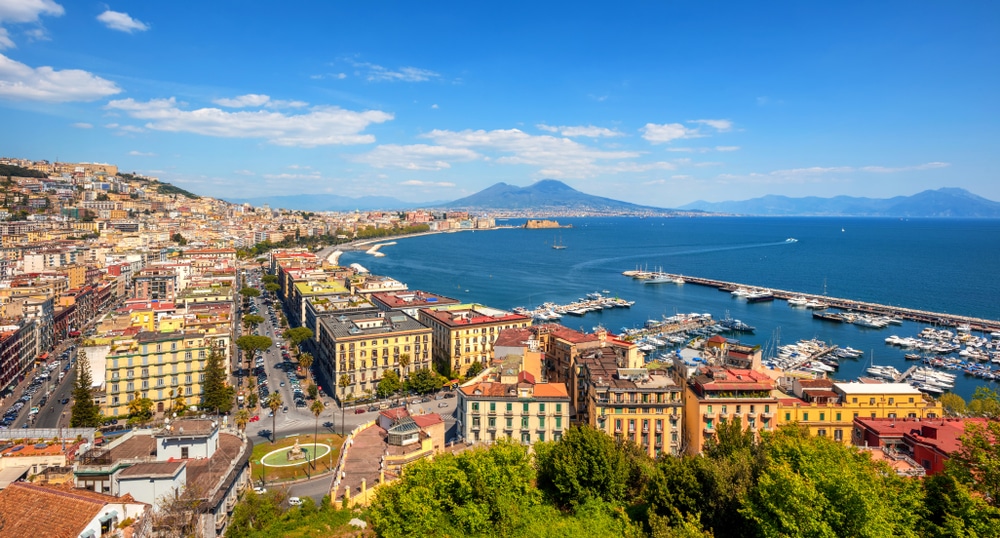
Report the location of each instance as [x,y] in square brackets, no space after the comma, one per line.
[659,103]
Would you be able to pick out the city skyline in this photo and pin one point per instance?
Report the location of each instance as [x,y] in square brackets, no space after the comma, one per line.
[658,105]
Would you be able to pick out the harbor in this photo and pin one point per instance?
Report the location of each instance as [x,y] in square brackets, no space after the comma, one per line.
[593,302]
[850,306]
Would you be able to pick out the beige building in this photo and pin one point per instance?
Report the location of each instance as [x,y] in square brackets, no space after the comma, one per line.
[716,394]
[465,333]
[515,407]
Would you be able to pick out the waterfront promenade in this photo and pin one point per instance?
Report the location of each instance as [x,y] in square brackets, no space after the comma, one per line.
[921,316]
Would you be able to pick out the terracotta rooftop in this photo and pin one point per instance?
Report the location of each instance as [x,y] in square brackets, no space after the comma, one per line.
[139,446]
[189,427]
[53,512]
[429,419]
[517,337]
[411,299]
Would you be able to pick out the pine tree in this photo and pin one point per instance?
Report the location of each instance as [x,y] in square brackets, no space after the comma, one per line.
[85,412]
[216,394]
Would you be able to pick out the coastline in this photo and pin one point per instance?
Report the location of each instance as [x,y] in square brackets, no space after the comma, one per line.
[359,245]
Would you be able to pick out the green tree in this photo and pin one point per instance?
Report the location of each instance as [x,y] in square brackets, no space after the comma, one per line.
[272,287]
[423,381]
[388,385]
[269,279]
[313,391]
[251,321]
[474,369]
[343,383]
[953,404]
[298,335]
[954,509]
[404,363]
[85,413]
[585,464]
[985,402]
[140,409]
[217,394]
[480,492]
[180,404]
[179,239]
[317,410]
[242,418]
[251,343]
[256,513]
[976,463]
[274,403]
[248,292]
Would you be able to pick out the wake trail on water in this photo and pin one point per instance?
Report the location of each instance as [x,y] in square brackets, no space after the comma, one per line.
[702,250]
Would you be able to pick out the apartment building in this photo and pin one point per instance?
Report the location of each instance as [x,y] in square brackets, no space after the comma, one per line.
[465,333]
[632,403]
[160,366]
[363,345]
[515,406]
[717,394]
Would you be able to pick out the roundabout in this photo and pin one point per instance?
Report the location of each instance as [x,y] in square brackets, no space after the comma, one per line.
[282,458]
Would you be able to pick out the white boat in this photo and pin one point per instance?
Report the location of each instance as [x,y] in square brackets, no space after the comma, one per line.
[798,301]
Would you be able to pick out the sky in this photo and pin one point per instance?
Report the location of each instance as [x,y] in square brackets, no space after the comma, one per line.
[656,103]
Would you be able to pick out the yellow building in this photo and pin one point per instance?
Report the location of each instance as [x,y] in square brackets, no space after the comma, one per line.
[361,346]
[715,394]
[158,366]
[828,409]
[465,333]
[632,403]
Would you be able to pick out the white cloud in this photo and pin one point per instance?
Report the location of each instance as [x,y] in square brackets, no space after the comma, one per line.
[727,148]
[891,170]
[658,134]
[136,153]
[434,106]
[321,76]
[416,156]
[245,172]
[250,99]
[321,126]
[122,22]
[311,175]
[557,157]
[82,125]
[719,125]
[256,100]
[418,183]
[25,11]
[581,130]
[377,73]
[21,82]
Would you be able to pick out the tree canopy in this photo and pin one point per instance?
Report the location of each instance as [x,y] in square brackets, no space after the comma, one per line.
[217,394]
[85,413]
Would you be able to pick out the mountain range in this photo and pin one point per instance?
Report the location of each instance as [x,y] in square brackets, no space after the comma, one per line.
[555,197]
[944,202]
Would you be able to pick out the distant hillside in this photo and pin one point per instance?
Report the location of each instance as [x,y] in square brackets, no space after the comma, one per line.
[945,202]
[547,194]
[11,170]
[327,202]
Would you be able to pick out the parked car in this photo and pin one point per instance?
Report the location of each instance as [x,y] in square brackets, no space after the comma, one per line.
[259,490]
[294,501]
[359,410]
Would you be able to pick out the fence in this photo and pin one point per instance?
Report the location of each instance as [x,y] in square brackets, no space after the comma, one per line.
[49,433]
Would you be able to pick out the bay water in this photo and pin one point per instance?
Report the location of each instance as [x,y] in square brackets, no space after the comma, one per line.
[939,265]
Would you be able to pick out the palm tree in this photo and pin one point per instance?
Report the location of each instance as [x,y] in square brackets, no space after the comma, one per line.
[242,419]
[343,383]
[274,402]
[316,408]
[404,362]
[305,361]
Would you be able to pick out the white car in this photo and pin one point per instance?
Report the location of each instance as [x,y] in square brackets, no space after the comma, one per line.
[294,501]
[259,490]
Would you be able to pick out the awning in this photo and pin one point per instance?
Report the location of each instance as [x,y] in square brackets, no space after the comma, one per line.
[109,516]
[12,474]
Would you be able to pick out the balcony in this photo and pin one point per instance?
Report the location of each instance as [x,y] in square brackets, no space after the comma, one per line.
[709,416]
[709,429]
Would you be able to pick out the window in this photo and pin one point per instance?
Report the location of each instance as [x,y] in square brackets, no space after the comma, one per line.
[541,408]
[838,435]
[558,408]
[510,406]
[871,401]
[184,452]
[475,406]
[524,423]
[541,423]
[822,417]
[892,401]
[510,423]
[821,433]
[805,417]
[493,406]
[838,417]
[558,422]
[493,422]
[788,417]
[524,408]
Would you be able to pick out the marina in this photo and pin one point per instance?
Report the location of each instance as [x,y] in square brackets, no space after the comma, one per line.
[593,302]
[852,307]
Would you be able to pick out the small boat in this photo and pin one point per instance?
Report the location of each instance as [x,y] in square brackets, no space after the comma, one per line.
[791,240]
[912,357]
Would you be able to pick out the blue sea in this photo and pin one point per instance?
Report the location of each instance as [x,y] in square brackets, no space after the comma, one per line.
[929,264]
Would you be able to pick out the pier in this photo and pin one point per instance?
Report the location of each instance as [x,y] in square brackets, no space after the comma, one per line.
[594,302]
[920,316]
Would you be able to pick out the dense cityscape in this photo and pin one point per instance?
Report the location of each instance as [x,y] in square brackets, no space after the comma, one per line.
[167,359]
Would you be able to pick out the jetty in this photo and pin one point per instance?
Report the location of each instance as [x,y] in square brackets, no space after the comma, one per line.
[911,314]
[374,250]
[594,302]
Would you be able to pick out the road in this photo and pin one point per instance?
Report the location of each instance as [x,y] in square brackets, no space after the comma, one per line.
[52,414]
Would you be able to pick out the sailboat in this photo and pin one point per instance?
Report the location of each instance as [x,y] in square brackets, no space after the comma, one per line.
[558,245]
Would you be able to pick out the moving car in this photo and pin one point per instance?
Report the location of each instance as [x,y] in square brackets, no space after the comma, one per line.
[294,501]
